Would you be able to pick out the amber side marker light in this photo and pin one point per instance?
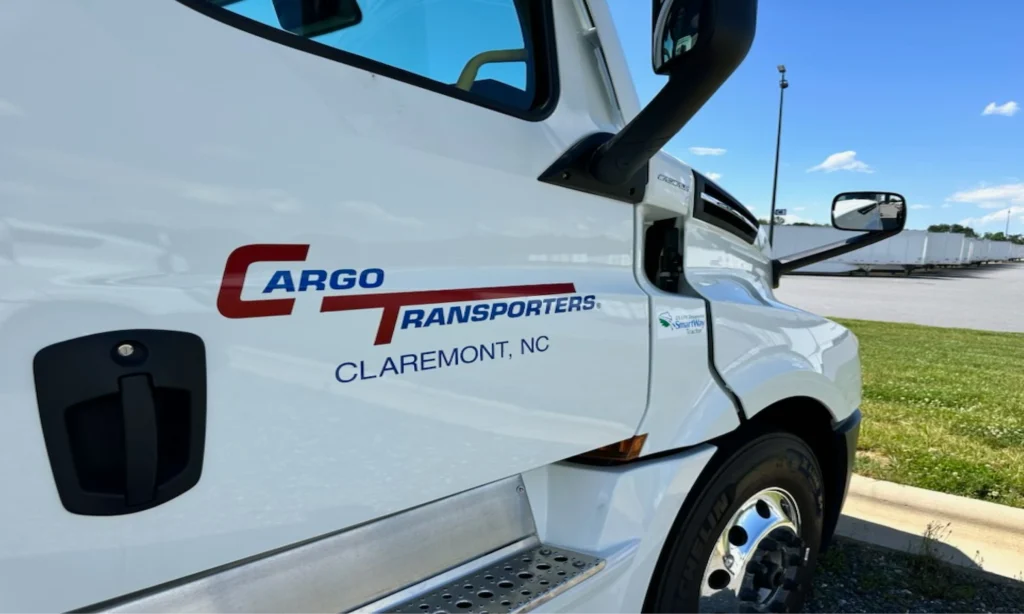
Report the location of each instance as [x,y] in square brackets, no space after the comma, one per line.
[621,452]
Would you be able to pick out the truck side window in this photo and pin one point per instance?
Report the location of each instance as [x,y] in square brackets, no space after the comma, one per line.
[481,51]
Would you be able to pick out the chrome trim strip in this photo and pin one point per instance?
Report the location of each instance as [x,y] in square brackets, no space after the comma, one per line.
[728,208]
[345,570]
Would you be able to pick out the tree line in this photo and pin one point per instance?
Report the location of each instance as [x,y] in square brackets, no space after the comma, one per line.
[970,232]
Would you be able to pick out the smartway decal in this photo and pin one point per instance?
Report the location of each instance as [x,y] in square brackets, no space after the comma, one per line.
[693,325]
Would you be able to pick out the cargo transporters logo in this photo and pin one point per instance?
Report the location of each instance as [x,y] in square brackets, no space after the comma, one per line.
[488,303]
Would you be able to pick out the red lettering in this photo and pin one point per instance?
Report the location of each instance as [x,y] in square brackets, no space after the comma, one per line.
[392,302]
[229,300]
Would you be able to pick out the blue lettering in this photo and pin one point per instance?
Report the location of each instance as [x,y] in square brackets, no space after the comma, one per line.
[543,338]
[547,305]
[337,372]
[408,360]
[376,274]
[462,354]
[459,313]
[447,361]
[516,309]
[575,302]
[498,309]
[412,317]
[362,371]
[501,345]
[436,316]
[533,307]
[389,365]
[589,302]
[312,277]
[485,352]
[561,303]
[424,360]
[343,279]
[526,345]
[280,280]
[480,312]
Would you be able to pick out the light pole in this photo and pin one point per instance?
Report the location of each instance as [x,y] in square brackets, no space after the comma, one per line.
[783,84]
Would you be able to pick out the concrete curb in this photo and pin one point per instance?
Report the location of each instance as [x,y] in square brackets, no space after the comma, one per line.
[973,534]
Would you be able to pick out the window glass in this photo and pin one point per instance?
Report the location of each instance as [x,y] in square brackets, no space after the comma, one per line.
[435,39]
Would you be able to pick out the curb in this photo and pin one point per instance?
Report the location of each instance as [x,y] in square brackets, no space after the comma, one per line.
[977,535]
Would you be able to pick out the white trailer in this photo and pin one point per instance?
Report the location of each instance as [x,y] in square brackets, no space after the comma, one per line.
[975,252]
[791,240]
[1000,251]
[943,249]
[904,252]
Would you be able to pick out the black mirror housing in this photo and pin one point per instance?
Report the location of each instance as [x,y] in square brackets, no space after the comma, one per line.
[700,62]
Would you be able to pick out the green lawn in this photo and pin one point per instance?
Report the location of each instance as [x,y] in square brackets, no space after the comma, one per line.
[943,409]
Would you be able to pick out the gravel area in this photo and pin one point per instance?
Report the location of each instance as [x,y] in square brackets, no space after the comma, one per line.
[854,577]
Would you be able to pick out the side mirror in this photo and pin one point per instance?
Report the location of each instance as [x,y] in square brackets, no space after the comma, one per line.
[869,211]
[698,44]
[877,215]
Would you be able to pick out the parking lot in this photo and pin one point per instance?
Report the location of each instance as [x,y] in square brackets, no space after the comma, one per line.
[986,298]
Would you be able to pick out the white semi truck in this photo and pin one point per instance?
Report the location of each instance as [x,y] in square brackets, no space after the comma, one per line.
[357,305]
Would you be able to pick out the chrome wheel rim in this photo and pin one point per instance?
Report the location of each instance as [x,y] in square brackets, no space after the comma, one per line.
[756,560]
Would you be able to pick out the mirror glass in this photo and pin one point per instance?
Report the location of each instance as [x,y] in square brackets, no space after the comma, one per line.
[676,26]
[869,211]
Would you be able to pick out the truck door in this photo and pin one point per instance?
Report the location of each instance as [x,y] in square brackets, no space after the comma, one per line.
[336,217]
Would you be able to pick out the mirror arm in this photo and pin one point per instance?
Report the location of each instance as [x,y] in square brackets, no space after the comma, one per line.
[699,75]
[788,264]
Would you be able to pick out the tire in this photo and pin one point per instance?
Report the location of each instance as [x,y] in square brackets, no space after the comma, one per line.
[776,461]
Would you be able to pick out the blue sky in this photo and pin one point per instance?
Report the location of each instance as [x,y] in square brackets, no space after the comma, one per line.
[903,84]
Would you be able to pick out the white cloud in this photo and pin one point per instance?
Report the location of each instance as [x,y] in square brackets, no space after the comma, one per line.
[707,151]
[793,219]
[992,197]
[920,206]
[947,206]
[799,208]
[842,161]
[714,176]
[996,217]
[1008,109]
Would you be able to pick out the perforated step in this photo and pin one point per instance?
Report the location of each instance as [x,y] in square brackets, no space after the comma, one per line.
[517,583]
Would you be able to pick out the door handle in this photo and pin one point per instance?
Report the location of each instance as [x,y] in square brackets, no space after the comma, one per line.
[123,415]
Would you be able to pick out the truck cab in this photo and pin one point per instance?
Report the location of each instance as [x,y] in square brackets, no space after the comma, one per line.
[360,305]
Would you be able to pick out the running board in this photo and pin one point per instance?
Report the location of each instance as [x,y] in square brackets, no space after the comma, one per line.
[513,583]
[474,551]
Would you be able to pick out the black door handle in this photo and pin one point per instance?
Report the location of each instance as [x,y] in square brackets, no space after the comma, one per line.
[124,418]
[138,413]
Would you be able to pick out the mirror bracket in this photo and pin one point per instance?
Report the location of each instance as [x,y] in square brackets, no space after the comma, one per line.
[788,264]
[572,170]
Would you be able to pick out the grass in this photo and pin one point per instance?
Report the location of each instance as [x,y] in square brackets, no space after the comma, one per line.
[943,409]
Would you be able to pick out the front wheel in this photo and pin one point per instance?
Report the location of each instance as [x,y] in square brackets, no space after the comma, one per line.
[749,540]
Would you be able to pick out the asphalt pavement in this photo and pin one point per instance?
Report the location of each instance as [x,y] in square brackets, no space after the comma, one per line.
[984,298]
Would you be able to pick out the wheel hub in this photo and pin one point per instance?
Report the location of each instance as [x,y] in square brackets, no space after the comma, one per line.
[757,558]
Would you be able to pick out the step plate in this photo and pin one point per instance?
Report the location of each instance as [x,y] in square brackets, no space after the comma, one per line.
[518,583]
